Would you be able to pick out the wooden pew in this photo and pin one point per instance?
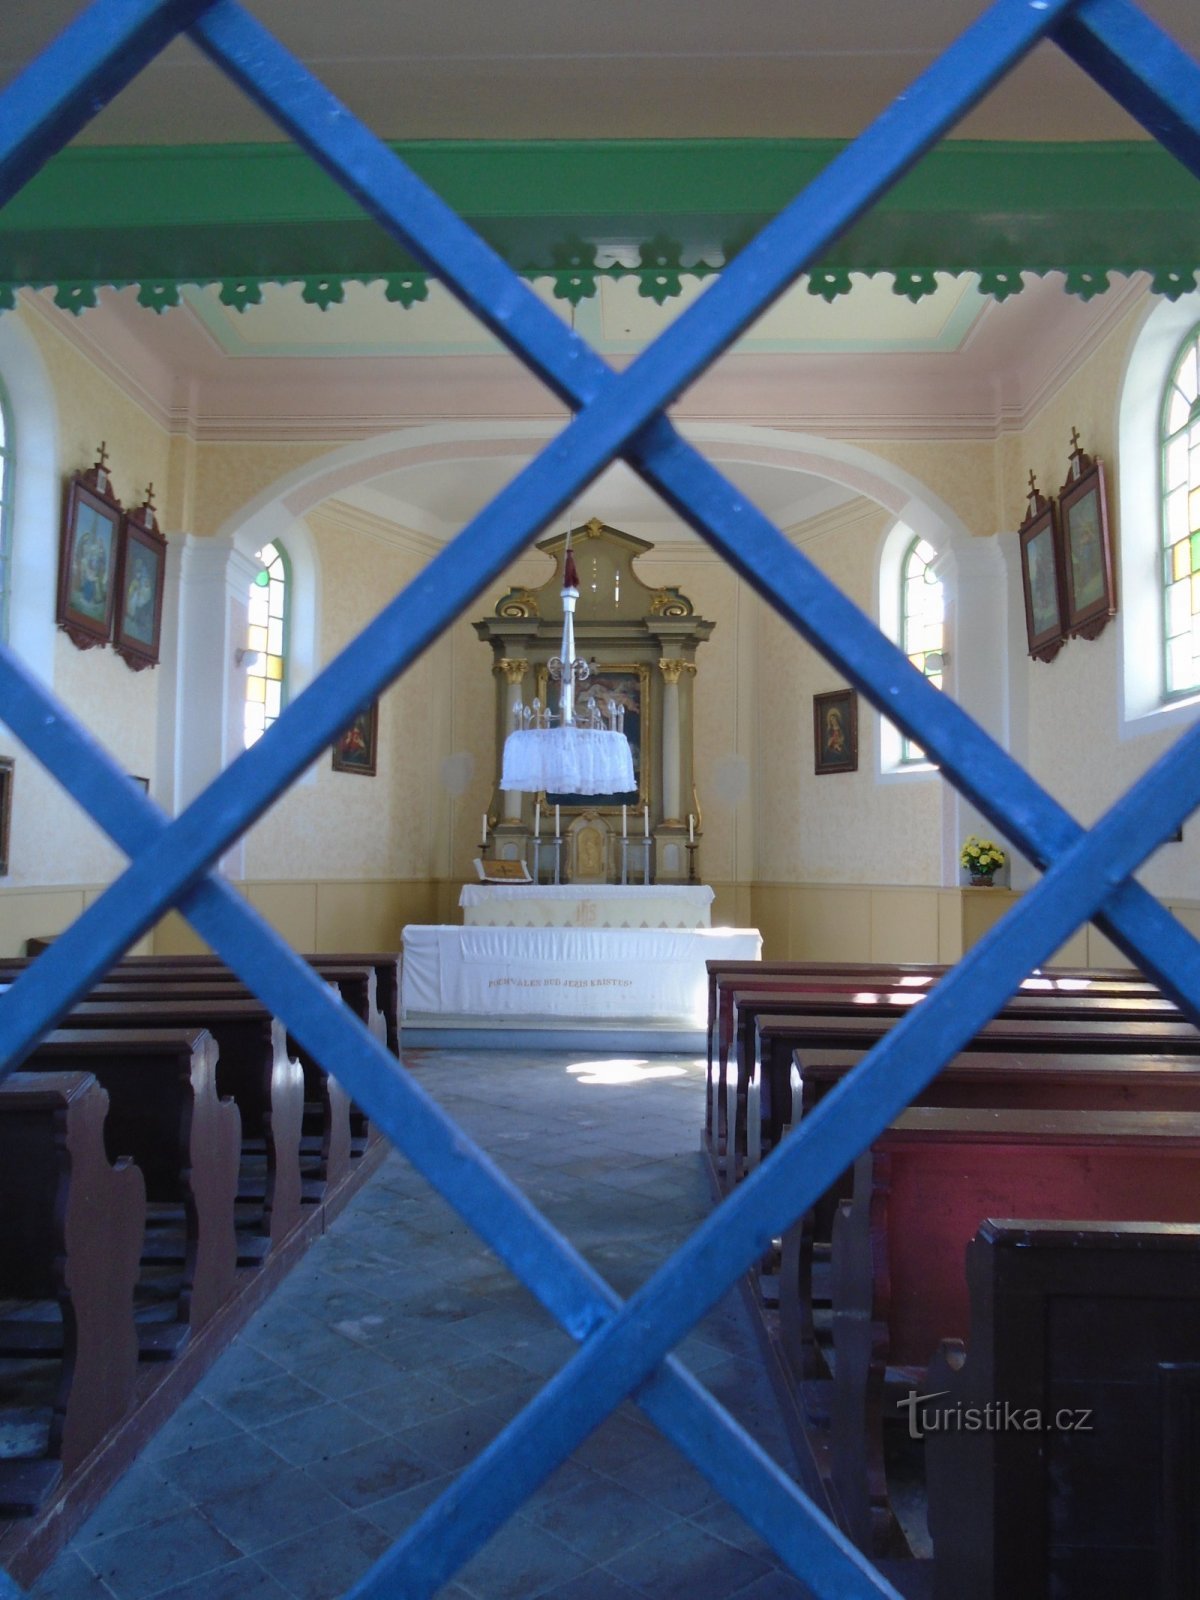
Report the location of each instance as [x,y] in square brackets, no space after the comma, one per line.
[368,983]
[920,1193]
[328,1128]
[979,1081]
[743,998]
[164,1112]
[255,1068]
[384,964]
[71,1233]
[768,1039]
[1079,1318]
[726,976]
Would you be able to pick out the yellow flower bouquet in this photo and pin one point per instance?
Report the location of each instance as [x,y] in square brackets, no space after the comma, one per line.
[982,858]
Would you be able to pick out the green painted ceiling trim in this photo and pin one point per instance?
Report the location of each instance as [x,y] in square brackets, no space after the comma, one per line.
[247,214]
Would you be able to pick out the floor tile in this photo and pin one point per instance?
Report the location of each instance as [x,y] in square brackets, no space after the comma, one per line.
[243,1580]
[683,1562]
[141,1561]
[519,1563]
[322,1563]
[369,1472]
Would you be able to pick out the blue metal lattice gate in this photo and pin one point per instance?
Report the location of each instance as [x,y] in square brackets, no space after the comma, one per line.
[624,1346]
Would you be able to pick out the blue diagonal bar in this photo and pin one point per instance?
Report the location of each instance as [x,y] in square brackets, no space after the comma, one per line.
[1142,68]
[739,1232]
[76,75]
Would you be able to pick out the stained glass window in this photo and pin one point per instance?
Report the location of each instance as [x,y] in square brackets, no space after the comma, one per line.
[1181,520]
[922,636]
[267,643]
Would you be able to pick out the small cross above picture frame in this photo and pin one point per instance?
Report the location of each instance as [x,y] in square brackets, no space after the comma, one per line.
[1088,588]
[88,557]
[835,731]
[356,748]
[1041,577]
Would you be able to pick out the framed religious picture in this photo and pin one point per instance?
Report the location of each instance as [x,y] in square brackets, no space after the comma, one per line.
[835,731]
[1041,577]
[142,568]
[88,556]
[1087,551]
[356,748]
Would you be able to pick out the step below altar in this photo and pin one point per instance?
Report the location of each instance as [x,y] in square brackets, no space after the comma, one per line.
[594,905]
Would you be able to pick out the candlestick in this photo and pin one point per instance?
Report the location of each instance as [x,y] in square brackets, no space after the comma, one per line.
[624,822]
[557,829]
[537,819]
[691,828]
[646,820]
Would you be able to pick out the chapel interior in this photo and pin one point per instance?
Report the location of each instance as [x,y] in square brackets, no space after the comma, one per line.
[192,307]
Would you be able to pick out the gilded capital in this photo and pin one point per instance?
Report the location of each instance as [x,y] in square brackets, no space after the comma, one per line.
[514,671]
[672,671]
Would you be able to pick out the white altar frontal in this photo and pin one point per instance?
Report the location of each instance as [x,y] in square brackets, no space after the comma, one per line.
[593,905]
[622,974]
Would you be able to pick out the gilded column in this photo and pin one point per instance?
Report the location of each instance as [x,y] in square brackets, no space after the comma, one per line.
[672,777]
[514,672]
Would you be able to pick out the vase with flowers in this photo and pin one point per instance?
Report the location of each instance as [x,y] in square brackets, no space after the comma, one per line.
[982,859]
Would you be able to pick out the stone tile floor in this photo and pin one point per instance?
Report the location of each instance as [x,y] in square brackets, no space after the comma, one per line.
[400,1345]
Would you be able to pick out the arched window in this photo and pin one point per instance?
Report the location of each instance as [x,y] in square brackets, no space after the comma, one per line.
[922,635]
[1180,488]
[267,642]
[6,499]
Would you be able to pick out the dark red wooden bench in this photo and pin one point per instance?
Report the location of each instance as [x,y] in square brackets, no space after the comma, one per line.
[71,1228]
[164,1112]
[1094,1328]
[920,1194]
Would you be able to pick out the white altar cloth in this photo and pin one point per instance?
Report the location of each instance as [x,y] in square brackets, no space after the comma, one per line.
[586,905]
[567,972]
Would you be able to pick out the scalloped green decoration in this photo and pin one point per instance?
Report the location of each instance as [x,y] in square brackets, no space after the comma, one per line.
[1086,282]
[575,274]
[1001,283]
[324,292]
[75,297]
[156,294]
[829,282]
[8,296]
[241,292]
[660,278]
[914,283]
[406,288]
[1171,282]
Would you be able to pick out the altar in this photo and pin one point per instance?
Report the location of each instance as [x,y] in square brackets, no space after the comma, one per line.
[617,973]
[592,905]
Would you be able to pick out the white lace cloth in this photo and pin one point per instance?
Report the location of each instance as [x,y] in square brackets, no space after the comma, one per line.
[568,761]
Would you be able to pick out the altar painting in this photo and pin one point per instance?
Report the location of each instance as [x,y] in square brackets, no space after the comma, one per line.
[629,686]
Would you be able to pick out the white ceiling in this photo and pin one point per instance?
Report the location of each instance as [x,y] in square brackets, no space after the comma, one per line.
[439,498]
[617,69]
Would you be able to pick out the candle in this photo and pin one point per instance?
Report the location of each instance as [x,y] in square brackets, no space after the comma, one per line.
[537,819]
[691,828]
[646,819]
[483,835]
[557,829]
[624,822]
